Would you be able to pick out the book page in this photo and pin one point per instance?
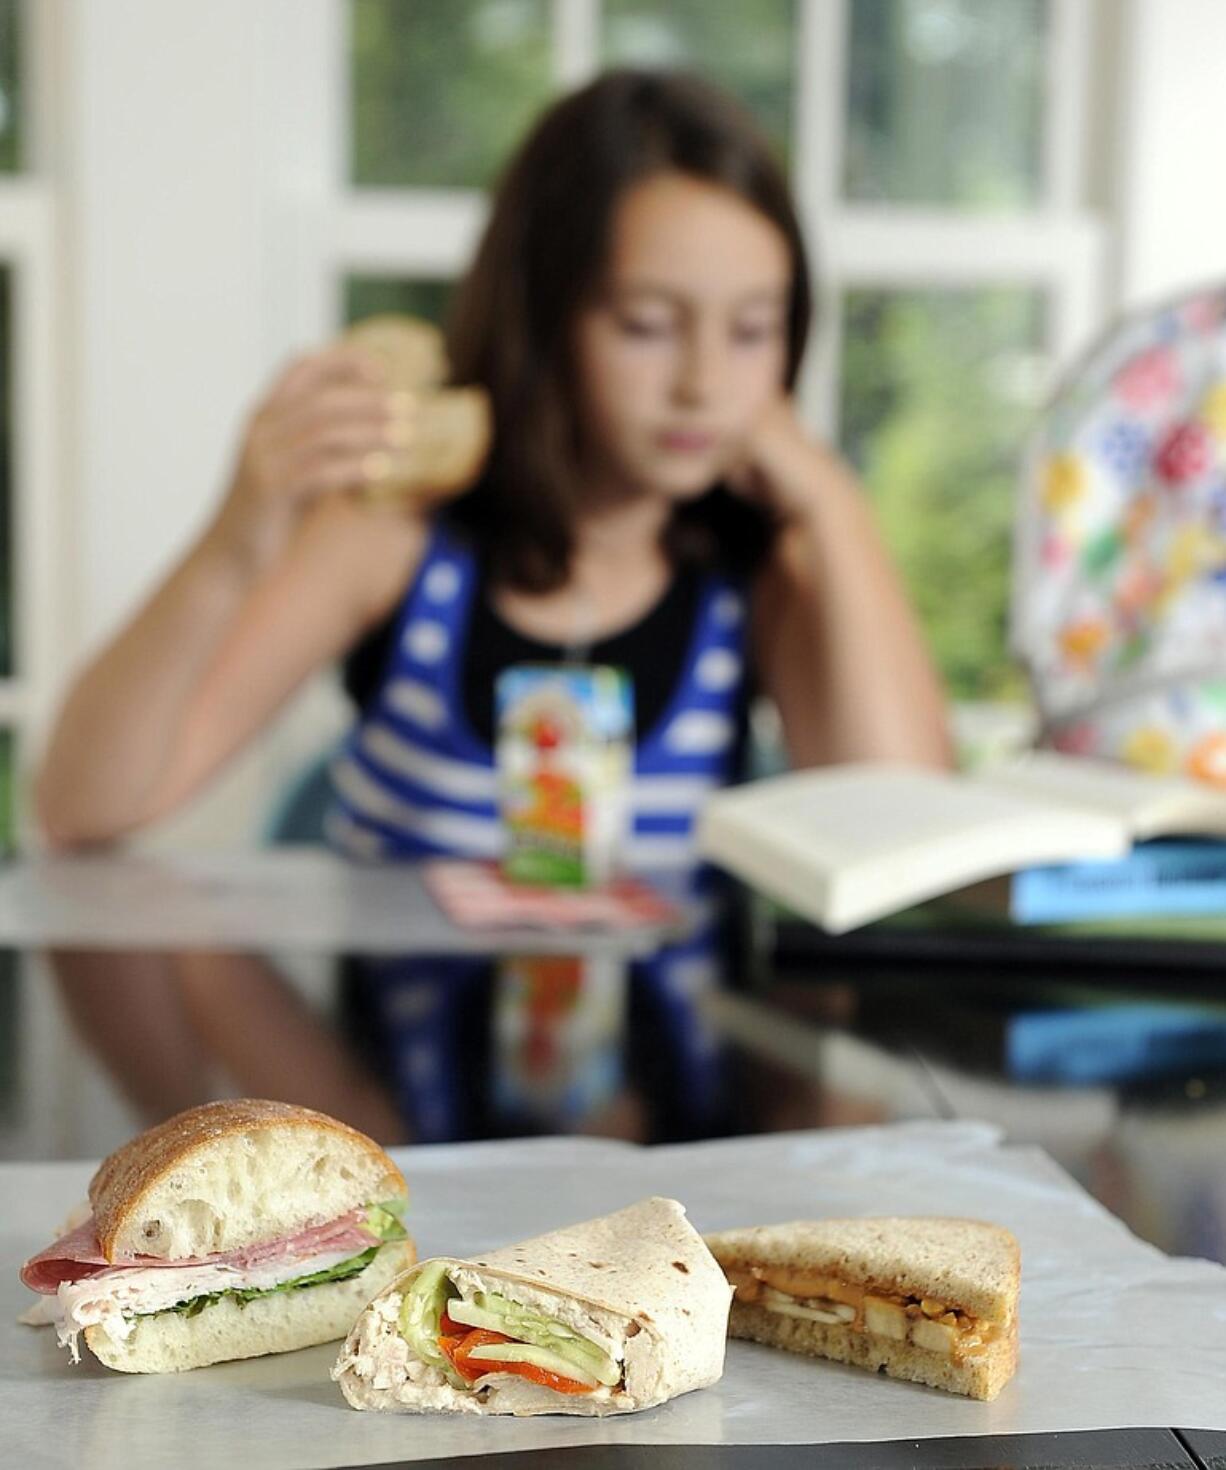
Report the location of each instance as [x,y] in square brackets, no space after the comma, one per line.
[1148,805]
[850,843]
[847,814]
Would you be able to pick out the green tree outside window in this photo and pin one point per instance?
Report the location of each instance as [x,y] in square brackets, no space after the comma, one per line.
[10,86]
[945,102]
[372,295]
[442,89]
[938,388]
[748,48]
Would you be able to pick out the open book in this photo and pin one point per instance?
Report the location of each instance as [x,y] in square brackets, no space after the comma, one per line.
[844,845]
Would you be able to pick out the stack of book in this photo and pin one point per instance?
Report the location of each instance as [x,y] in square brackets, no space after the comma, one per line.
[1065,840]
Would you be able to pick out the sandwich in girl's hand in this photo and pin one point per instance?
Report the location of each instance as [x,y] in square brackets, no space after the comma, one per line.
[606,1317]
[230,1230]
[444,432]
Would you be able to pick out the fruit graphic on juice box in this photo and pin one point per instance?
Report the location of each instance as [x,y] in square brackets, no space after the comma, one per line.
[564,766]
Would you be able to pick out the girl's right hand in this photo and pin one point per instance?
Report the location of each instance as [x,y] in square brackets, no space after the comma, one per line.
[327,425]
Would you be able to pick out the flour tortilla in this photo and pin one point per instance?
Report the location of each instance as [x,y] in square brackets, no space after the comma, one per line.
[640,1282]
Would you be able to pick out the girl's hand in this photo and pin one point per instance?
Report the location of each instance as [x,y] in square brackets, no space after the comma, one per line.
[326,426]
[782,468]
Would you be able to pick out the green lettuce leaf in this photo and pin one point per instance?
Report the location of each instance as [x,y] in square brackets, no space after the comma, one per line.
[340,1272]
[381,1220]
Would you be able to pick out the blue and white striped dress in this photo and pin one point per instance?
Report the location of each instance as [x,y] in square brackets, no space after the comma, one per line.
[414,780]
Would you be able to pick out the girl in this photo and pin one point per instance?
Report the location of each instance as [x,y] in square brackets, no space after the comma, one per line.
[637,311]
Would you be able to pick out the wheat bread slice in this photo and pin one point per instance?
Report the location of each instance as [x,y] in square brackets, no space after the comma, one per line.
[979,1377]
[937,1265]
[231,1174]
[971,1265]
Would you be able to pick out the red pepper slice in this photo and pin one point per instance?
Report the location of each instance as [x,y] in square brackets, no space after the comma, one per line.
[543,1376]
[464,1354]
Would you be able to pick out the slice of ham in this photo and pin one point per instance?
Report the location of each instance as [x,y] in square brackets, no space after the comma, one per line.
[77,1255]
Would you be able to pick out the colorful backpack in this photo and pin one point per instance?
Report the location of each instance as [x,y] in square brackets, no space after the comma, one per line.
[1119,602]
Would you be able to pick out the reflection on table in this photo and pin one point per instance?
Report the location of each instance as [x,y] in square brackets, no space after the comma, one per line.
[1127,1090]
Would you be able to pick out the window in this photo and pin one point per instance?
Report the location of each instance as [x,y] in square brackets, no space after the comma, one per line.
[370,295]
[10,86]
[6,471]
[964,268]
[442,91]
[944,109]
[936,391]
[746,48]
[10,154]
[25,443]
[935,148]
[945,102]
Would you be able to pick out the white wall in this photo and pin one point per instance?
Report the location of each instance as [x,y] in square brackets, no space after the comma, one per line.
[165,227]
[178,190]
[1171,119]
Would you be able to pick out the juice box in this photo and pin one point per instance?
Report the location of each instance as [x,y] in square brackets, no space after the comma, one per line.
[565,759]
[558,1029]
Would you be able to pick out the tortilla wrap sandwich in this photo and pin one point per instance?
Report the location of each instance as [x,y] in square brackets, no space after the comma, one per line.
[605,1317]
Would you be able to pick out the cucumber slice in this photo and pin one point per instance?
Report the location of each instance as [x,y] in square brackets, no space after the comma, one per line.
[469,1314]
[420,1313]
[497,1314]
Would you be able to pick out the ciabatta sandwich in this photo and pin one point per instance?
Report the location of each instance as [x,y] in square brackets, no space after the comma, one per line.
[606,1317]
[231,1230]
[930,1300]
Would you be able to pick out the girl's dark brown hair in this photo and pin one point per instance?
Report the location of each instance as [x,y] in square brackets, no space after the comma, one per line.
[541,256]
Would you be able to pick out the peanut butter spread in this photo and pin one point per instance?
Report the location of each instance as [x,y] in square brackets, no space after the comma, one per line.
[922,1321]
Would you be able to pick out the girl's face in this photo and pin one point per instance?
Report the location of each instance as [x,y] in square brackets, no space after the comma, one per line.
[686,343]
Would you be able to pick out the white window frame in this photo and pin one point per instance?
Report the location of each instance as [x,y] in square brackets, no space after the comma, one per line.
[28,250]
[1058,247]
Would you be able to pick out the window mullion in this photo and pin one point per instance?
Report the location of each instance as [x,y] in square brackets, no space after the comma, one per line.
[41,543]
[15,701]
[948,247]
[819,125]
[576,42]
[818,131]
[411,231]
[306,51]
[1064,131]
